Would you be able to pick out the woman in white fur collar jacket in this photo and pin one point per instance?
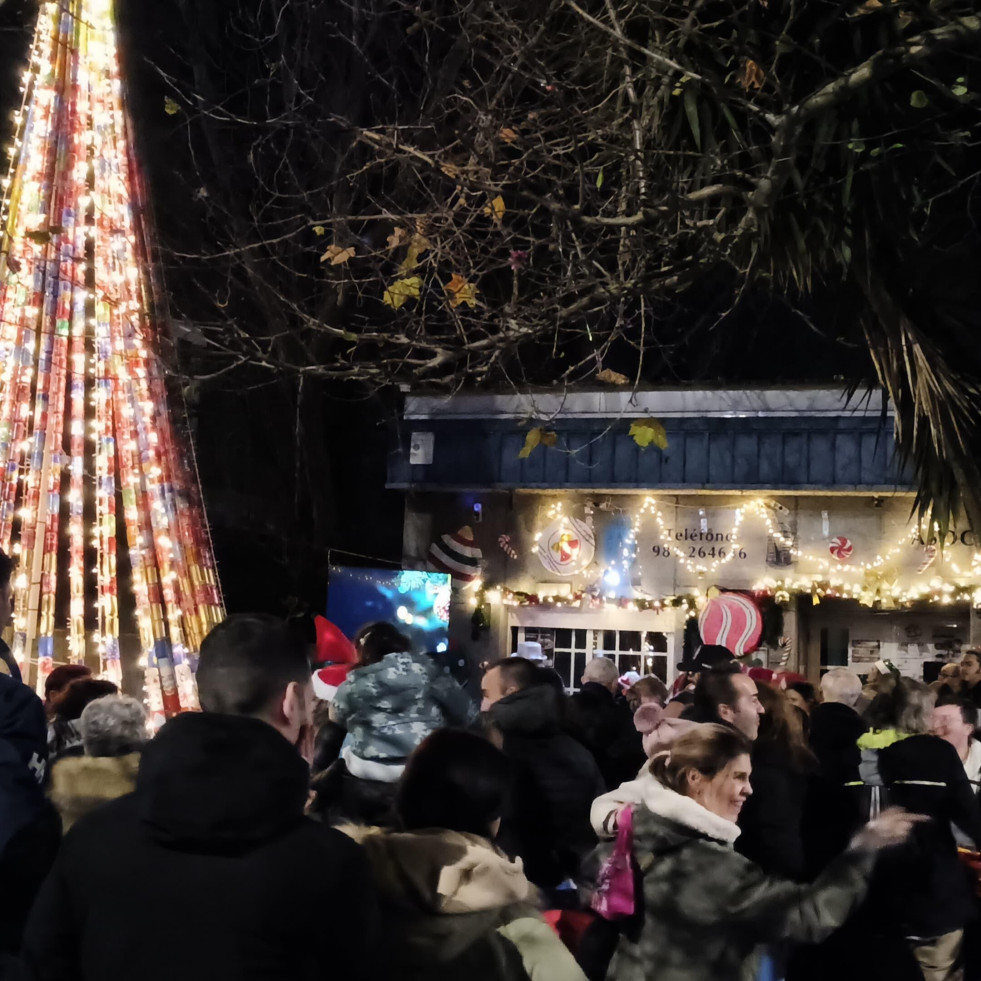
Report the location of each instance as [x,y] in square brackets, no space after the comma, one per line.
[705,910]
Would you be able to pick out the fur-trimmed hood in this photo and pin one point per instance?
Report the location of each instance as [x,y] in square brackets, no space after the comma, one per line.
[442,890]
[684,811]
[81,783]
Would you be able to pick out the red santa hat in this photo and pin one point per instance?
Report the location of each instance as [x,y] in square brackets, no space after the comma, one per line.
[327,680]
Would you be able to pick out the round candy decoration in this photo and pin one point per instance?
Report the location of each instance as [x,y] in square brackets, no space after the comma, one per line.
[567,546]
[841,548]
[733,621]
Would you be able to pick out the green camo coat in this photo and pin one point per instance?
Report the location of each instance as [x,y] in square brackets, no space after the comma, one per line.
[707,909]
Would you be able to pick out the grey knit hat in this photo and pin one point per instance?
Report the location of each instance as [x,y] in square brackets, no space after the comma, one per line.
[113,726]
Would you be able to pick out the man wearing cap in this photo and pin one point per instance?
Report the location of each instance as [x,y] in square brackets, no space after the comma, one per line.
[706,657]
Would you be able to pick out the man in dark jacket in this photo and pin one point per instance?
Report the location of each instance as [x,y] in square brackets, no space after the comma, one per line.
[604,724]
[770,823]
[555,779]
[8,665]
[834,733]
[210,869]
[29,825]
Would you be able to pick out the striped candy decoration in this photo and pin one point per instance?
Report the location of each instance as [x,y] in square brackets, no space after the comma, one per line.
[733,621]
[456,554]
[841,548]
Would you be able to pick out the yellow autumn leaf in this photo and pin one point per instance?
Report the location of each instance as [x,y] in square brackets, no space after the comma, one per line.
[402,290]
[337,256]
[319,231]
[171,107]
[450,169]
[460,291]
[508,135]
[495,209]
[417,245]
[647,431]
[612,377]
[535,437]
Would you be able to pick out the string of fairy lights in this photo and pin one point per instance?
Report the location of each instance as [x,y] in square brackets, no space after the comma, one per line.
[821,575]
[84,426]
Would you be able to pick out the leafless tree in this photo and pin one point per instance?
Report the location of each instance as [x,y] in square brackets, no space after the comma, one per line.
[465,192]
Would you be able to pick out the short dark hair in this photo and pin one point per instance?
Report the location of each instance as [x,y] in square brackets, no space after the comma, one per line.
[377,640]
[715,688]
[81,692]
[455,780]
[969,711]
[7,566]
[518,672]
[247,661]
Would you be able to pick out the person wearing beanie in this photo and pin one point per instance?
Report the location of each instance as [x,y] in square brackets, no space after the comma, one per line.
[113,730]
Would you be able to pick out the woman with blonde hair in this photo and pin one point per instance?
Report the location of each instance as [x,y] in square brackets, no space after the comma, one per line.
[706,910]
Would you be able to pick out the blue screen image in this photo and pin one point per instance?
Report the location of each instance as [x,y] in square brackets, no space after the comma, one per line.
[416,602]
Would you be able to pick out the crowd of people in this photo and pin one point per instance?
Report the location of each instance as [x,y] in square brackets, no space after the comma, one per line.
[750,827]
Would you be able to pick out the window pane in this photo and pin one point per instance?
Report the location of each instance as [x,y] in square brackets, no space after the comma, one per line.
[630,662]
[629,640]
[657,642]
[514,639]
[580,640]
[609,640]
[657,664]
[580,668]
[563,639]
[563,665]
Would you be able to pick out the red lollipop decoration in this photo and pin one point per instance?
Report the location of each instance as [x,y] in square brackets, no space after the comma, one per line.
[841,548]
[733,621]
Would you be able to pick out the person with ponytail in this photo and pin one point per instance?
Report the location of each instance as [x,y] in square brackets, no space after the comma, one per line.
[706,912]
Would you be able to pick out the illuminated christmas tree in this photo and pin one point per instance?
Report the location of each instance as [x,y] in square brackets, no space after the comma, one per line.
[85,430]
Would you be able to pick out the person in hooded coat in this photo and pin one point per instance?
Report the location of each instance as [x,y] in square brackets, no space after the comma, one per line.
[706,911]
[113,732]
[29,826]
[210,870]
[555,778]
[454,907]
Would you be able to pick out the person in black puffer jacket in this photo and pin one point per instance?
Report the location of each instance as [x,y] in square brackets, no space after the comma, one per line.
[215,829]
[919,894]
[603,722]
[556,779]
[771,818]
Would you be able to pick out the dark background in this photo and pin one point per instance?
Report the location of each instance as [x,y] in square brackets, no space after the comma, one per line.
[293,474]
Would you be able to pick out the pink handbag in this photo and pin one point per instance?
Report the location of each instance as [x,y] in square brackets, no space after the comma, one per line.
[614,895]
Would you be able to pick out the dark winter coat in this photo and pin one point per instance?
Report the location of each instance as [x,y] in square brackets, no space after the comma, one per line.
[555,780]
[706,909]
[605,726]
[454,908]
[208,870]
[9,662]
[921,888]
[770,821]
[829,806]
[29,826]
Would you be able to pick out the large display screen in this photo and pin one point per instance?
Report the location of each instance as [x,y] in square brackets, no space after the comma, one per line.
[418,603]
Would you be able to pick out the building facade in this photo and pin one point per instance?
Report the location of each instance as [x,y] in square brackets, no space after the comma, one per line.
[624,519]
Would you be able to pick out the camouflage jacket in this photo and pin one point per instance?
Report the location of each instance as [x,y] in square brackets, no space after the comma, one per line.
[388,708]
[706,910]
